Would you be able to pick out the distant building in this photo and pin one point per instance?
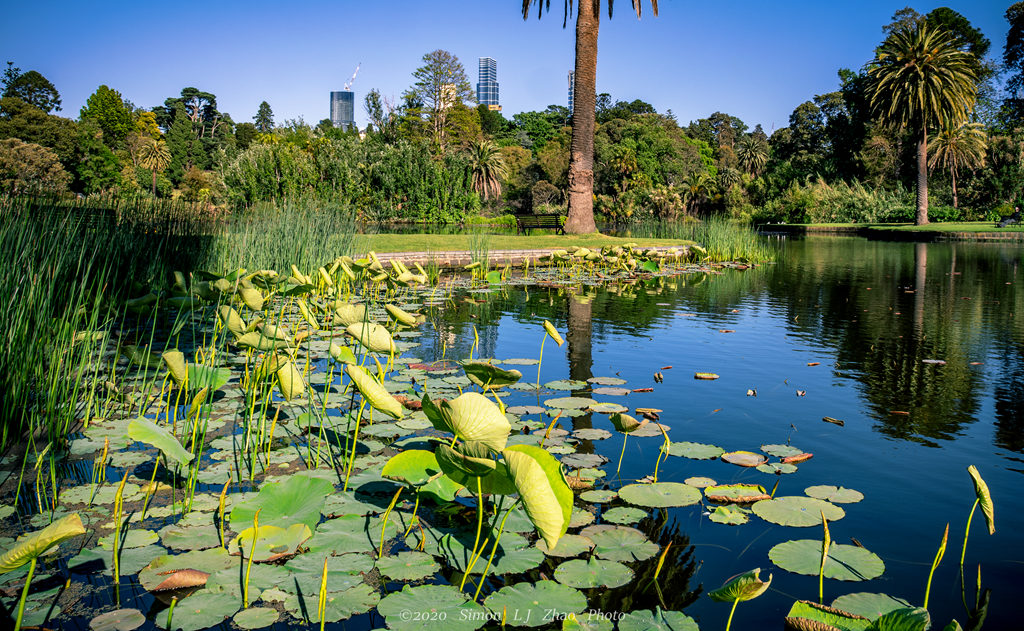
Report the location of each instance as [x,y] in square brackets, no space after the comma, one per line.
[343,109]
[572,81]
[487,84]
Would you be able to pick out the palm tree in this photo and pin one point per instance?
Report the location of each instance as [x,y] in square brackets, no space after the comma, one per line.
[957,146]
[752,152]
[921,79]
[155,157]
[488,167]
[581,149]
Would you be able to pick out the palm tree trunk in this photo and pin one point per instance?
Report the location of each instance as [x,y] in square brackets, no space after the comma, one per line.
[581,149]
[952,176]
[922,178]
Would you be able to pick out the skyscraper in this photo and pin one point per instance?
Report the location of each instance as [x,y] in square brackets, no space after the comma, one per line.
[572,80]
[343,109]
[487,84]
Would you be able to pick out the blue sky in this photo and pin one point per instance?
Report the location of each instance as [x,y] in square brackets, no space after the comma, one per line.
[752,58]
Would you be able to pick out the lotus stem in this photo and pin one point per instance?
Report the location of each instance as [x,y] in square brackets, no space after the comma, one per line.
[252,553]
[387,513]
[220,511]
[826,543]
[494,548]
[170,611]
[661,561]
[24,593]
[117,528]
[935,564]
[728,623]
[413,520]
[967,531]
[321,606]
[355,441]
[479,528]
[151,490]
[622,453]
[540,359]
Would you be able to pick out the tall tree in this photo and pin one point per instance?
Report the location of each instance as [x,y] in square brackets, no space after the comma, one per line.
[441,83]
[1013,59]
[921,79]
[581,155]
[111,113]
[264,118]
[752,152]
[954,148]
[31,87]
[155,157]
[488,167]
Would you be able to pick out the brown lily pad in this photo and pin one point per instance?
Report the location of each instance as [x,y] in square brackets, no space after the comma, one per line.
[181,579]
[744,458]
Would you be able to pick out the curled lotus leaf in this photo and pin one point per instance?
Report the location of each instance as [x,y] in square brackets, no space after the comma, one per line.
[342,354]
[145,431]
[230,320]
[373,392]
[260,342]
[251,296]
[744,458]
[844,562]
[289,380]
[834,494]
[869,605]
[38,543]
[553,333]
[797,511]
[400,315]
[414,467]
[348,314]
[984,498]
[181,579]
[176,366]
[469,461]
[736,493]
[271,542]
[625,423]
[541,484]
[472,417]
[746,586]
[490,376]
[805,615]
[372,336]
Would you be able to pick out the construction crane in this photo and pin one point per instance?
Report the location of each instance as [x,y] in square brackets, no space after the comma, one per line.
[349,84]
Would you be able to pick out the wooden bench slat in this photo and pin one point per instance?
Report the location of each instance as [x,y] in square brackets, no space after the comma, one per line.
[525,223]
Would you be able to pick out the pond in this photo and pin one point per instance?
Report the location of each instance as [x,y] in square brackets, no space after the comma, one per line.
[912,352]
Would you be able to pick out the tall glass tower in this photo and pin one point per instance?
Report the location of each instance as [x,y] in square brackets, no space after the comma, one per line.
[487,84]
[343,109]
[572,81]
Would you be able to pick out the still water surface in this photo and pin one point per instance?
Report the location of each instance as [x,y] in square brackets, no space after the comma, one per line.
[873,316]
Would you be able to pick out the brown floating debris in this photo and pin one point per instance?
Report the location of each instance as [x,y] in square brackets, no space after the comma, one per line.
[813,363]
[726,330]
[705,375]
[182,579]
[900,412]
[643,390]
[977,363]
[799,457]
[834,421]
[666,368]
[716,410]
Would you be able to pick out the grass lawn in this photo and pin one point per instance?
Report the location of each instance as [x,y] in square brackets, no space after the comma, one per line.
[450,242]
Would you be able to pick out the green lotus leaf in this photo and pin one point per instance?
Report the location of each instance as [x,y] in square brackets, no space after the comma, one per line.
[845,562]
[730,514]
[541,484]
[38,543]
[401,316]
[869,605]
[590,573]
[338,604]
[201,610]
[781,451]
[588,621]
[623,515]
[797,511]
[423,608]
[906,619]
[744,458]
[208,561]
[620,543]
[805,615]
[746,586]
[568,546]
[984,498]
[570,403]
[290,381]
[776,468]
[251,297]
[699,482]
[349,314]
[660,494]
[472,417]
[591,433]
[695,451]
[175,362]
[272,542]
[624,423]
[134,538]
[141,357]
[566,384]
[607,408]
[145,431]
[372,336]
[231,321]
[834,494]
[342,354]
[202,376]
[657,620]
[408,566]
[535,604]
[414,467]
[118,620]
[598,496]
[374,393]
[260,342]
[256,617]
[606,381]
[489,375]
[343,572]
[736,493]
[297,500]
[471,459]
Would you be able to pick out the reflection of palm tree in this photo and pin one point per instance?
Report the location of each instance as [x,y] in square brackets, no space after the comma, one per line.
[752,152]
[488,167]
[155,157]
[921,79]
[958,146]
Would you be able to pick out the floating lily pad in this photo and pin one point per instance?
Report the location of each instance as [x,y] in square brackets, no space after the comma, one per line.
[695,451]
[781,451]
[570,403]
[797,511]
[296,500]
[519,361]
[736,493]
[136,538]
[208,561]
[566,384]
[567,546]
[523,410]
[408,566]
[589,621]
[648,430]
[611,391]
[805,614]
[591,433]
[271,542]
[190,537]
[579,517]
[660,494]
[598,496]
[338,605]
[577,461]
[606,381]
[730,514]
[869,605]
[535,604]
[776,468]
[201,610]
[623,515]
[657,620]
[118,620]
[845,562]
[620,543]
[608,408]
[343,571]
[699,482]
[590,573]
[744,458]
[835,494]
[427,606]
[256,617]
[131,562]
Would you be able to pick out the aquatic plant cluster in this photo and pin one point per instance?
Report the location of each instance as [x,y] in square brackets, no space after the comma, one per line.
[272,449]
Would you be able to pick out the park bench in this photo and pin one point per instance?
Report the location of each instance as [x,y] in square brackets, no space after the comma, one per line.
[525,223]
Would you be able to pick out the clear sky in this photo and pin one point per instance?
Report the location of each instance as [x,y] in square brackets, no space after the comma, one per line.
[754,59]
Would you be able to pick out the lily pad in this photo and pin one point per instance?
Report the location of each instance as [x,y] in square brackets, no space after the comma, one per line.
[136,538]
[570,403]
[657,620]
[730,514]
[835,494]
[809,615]
[596,496]
[118,620]
[297,500]
[694,451]
[699,482]
[869,605]
[776,468]
[535,604]
[744,458]
[579,461]
[567,546]
[591,433]
[589,621]
[338,605]
[606,381]
[623,515]
[256,617]
[408,566]
[201,610]
[590,573]
[608,408]
[427,606]
[565,384]
[736,493]
[271,542]
[845,562]
[523,410]
[208,561]
[781,451]
[660,494]
[612,391]
[797,511]
[620,543]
